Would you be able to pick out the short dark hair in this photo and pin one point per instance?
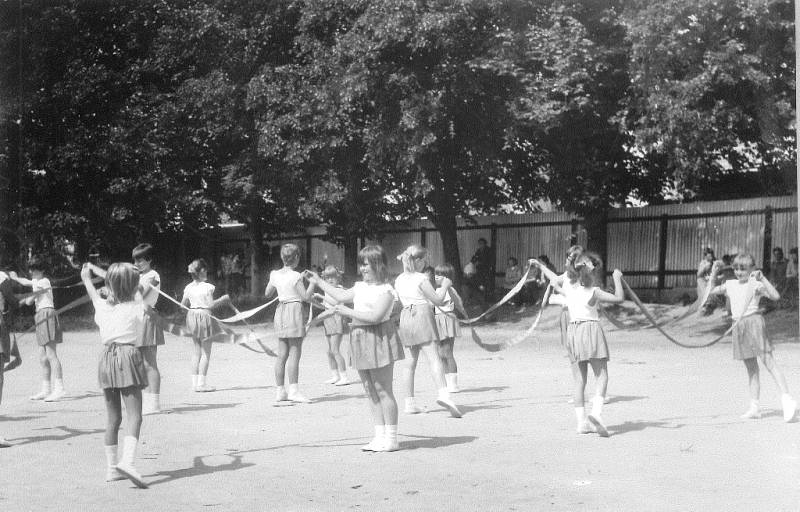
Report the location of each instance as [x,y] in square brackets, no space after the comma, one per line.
[143,251]
[37,263]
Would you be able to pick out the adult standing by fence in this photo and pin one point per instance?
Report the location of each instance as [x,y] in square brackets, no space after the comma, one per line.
[484,268]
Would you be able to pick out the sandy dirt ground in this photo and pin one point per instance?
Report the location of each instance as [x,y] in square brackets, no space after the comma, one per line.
[677,441]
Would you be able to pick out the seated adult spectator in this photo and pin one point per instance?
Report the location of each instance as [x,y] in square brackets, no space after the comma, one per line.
[703,272]
[484,269]
[789,297]
[777,270]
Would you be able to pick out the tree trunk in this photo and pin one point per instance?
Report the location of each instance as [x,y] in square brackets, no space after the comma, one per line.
[9,187]
[350,258]
[256,233]
[446,225]
[596,223]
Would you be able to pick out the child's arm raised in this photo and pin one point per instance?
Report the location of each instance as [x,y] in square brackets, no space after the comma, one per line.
[769,289]
[619,292]
[338,294]
[303,292]
[457,302]
[97,270]
[86,277]
[430,294]
[712,278]
[20,280]
[549,274]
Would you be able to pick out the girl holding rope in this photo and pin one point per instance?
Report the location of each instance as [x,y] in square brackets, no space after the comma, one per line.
[198,296]
[447,324]
[121,372]
[374,344]
[289,325]
[586,342]
[334,327]
[750,339]
[48,331]
[418,325]
[150,283]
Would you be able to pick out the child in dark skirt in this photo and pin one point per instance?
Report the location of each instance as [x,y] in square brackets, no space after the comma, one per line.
[750,339]
[48,331]
[121,372]
[374,344]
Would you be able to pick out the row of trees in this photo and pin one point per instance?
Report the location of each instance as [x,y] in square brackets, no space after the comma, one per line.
[125,119]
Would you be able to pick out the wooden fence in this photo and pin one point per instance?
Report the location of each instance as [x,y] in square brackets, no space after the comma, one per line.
[657,247]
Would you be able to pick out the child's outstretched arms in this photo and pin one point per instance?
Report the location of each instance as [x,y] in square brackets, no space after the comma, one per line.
[339,294]
[549,274]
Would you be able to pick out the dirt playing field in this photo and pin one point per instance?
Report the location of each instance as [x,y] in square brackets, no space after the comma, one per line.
[677,441]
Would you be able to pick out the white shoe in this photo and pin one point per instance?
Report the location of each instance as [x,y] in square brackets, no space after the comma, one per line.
[789,408]
[280,395]
[55,396]
[298,398]
[113,475]
[376,445]
[333,380]
[450,406]
[204,389]
[41,395]
[585,428]
[753,413]
[131,474]
[388,446]
[598,425]
[344,381]
[4,443]
[411,406]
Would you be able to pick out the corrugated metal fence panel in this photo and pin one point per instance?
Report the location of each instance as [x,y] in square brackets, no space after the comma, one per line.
[725,235]
[701,208]
[784,231]
[433,242]
[634,246]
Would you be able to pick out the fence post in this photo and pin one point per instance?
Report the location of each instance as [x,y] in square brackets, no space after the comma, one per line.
[767,252]
[662,252]
[308,251]
[493,270]
[423,236]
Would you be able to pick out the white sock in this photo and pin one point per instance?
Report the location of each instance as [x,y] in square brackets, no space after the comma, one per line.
[410,402]
[58,385]
[293,388]
[195,378]
[754,404]
[46,387]
[111,455]
[444,394]
[129,450]
[597,405]
[379,432]
[201,381]
[155,401]
[390,433]
[580,415]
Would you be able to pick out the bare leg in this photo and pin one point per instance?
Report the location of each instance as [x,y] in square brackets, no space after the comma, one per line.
[430,351]
[411,369]
[293,359]
[752,375]
[382,378]
[280,361]
[205,357]
[772,367]
[600,370]
[132,396]
[149,354]
[113,414]
[579,372]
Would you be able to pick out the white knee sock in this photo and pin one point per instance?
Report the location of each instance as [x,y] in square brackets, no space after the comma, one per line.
[129,450]
[58,385]
[194,380]
[201,381]
[580,415]
[111,455]
[390,433]
[597,405]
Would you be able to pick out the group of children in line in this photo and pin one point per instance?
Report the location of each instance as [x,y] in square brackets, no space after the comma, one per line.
[128,369]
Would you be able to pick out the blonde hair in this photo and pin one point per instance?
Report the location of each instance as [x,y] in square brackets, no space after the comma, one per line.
[410,255]
[122,280]
[332,272]
[744,258]
[290,254]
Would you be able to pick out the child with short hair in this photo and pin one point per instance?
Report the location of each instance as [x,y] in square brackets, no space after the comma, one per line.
[150,283]
[48,330]
[374,344]
[121,372]
[750,338]
[334,327]
[289,324]
[198,296]
[447,324]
